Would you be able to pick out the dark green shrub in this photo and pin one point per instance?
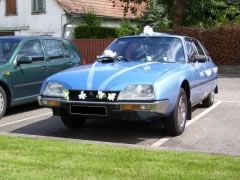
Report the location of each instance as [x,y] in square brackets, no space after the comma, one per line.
[89,32]
[126,28]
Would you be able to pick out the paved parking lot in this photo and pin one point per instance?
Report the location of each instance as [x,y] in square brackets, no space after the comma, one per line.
[214,130]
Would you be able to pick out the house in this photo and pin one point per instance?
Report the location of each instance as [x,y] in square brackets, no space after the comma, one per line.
[54,17]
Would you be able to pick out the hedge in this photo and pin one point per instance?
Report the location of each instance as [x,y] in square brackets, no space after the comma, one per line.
[223,43]
[91,32]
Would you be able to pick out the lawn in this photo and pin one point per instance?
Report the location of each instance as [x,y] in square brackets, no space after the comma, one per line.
[25,158]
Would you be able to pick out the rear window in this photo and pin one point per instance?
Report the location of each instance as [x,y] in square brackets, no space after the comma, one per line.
[7,47]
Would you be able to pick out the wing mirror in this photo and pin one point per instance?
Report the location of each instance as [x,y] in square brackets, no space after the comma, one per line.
[199,58]
[24,60]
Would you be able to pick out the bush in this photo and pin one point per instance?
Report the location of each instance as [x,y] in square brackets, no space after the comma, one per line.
[126,28]
[222,42]
[89,32]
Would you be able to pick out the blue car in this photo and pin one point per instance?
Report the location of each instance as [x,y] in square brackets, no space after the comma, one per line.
[149,77]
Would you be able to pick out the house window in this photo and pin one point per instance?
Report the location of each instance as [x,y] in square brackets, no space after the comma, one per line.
[38,6]
[11,7]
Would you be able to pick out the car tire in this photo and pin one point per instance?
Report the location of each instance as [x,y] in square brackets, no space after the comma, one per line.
[209,101]
[176,121]
[73,122]
[3,102]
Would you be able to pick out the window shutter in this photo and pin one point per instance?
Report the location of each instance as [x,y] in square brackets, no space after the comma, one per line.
[11,7]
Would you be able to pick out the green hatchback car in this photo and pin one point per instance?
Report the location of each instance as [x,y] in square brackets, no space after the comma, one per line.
[26,61]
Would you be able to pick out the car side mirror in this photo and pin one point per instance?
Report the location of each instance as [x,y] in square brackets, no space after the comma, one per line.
[24,60]
[199,58]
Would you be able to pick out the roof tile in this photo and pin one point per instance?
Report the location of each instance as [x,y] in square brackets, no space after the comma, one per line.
[99,7]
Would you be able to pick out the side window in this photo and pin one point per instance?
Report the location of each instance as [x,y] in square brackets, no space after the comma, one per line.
[205,50]
[191,50]
[32,49]
[55,49]
[199,48]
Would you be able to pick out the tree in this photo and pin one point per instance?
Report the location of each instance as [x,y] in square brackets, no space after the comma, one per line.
[203,13]
[176,13]
[156,16]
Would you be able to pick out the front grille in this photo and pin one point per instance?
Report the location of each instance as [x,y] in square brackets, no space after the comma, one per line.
[91,96]
[89,110]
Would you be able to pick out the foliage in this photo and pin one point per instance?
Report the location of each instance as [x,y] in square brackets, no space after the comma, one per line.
[155,16]
[92,19]
[201,13]
[25,158]
[126,28]
[90,32]
[210,13]
[91,29]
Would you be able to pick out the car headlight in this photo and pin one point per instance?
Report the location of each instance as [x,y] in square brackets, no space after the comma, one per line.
[137,92]
[54,89]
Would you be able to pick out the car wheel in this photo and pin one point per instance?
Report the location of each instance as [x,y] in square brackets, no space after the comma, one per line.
[209,101]
[176,121]
[73,122]
[3,102]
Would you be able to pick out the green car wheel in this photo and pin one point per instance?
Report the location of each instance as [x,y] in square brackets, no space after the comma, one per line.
[3,102]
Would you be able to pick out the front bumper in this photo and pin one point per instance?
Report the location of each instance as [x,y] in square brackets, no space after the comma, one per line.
[121,110]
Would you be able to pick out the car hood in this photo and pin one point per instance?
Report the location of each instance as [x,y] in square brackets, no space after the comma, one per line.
[112,76]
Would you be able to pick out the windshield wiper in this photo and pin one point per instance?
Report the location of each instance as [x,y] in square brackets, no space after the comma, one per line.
[111,59]
[122,58]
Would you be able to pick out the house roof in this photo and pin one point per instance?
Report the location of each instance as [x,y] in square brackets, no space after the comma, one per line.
[99,7]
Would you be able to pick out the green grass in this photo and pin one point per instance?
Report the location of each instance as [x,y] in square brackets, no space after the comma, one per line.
[25,158]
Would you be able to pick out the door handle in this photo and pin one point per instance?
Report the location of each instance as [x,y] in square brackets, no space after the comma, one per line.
[44,68]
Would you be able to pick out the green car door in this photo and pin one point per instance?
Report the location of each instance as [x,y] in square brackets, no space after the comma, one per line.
[30,69]
[58,56]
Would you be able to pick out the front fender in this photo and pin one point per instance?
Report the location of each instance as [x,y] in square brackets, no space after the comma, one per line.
[168,86]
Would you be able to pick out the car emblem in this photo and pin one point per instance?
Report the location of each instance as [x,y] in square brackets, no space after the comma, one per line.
[91,94]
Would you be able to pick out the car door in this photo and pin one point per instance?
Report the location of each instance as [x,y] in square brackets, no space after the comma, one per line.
[28,78]
[198,72]
[210,71]
[58,56]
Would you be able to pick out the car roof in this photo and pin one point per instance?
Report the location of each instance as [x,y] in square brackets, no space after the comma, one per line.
[158,34]
[27,37]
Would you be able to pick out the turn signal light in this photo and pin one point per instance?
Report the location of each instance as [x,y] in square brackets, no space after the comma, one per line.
[51,103]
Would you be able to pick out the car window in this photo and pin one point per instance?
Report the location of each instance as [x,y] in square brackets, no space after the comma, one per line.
[32,49]
[158,49]
[205,50]
[7,46]
[191,49]
[199,48]
[55,49]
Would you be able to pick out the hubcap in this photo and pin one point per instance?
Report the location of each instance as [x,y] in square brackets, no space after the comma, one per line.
[181,112]
[1,103]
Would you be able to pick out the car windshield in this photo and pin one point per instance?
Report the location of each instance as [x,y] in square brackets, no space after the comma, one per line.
[7,47]
[159,49]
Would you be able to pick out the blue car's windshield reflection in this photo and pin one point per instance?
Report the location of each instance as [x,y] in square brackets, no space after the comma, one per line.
[155,49]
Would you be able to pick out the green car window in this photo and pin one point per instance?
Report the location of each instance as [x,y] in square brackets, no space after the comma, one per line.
[55,49]
[7,46]
[32,49]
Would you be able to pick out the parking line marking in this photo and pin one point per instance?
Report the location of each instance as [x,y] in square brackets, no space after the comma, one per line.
[26,119]
[231,101]
[199,116]
[196,118]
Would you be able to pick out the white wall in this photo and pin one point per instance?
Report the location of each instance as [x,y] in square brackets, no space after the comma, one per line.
[49,23]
